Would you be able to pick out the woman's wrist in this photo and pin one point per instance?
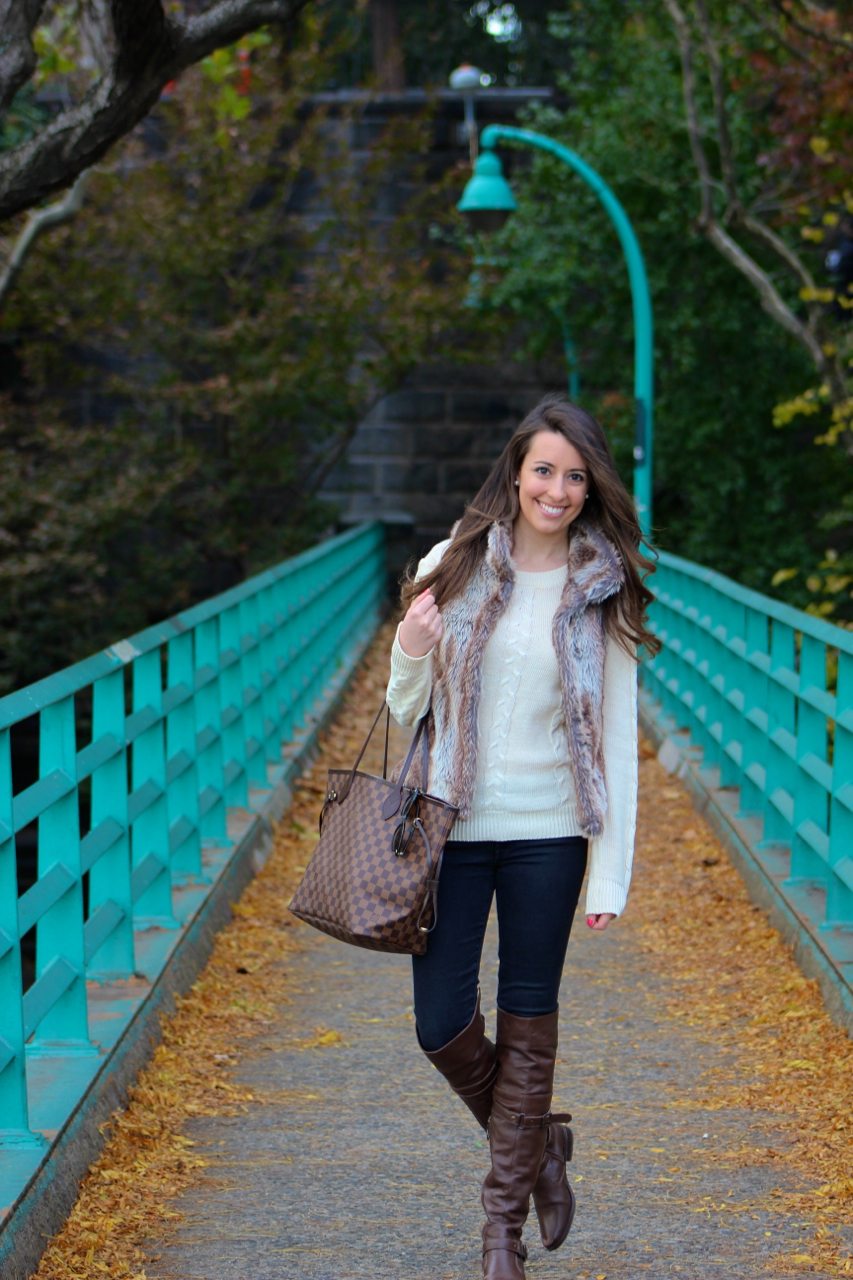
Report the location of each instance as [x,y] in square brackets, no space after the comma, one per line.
[410,661]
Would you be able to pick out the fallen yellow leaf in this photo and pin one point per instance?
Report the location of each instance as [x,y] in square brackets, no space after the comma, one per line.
[321,1039]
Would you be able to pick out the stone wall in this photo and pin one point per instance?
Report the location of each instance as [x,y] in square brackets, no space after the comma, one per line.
[425,449]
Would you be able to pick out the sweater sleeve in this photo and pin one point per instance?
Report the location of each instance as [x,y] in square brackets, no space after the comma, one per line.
[611,854]
[410,687]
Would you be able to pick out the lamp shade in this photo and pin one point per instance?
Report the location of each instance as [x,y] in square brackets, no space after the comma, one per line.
[487,200]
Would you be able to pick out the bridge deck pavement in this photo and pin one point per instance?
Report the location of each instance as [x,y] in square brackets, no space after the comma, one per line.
[359,1164]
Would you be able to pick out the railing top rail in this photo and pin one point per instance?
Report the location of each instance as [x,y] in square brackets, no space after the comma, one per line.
[826,632]
[33,698]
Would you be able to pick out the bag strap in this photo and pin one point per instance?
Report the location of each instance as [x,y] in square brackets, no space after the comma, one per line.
[395,799]
[387,711]
[431,899]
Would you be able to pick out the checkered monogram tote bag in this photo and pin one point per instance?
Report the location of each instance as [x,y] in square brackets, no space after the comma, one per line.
[373,878]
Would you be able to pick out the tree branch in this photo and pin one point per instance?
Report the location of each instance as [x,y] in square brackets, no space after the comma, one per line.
[37,223]
[784,251]
[17,55]
[770,298]
[772,301]
[691,110]
[96,34]
[774,33]
[812,33]
[228,20]
[151,49]
[142,34]
[718,89]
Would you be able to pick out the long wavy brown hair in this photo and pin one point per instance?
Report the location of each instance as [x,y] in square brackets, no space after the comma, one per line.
[608,507]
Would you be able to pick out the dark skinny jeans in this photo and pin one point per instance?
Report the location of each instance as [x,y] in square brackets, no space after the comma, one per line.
[536,884]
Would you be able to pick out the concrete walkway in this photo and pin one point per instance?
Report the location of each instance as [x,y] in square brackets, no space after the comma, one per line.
[359,1165]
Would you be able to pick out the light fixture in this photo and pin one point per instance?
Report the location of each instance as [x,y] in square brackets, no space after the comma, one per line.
[487,200]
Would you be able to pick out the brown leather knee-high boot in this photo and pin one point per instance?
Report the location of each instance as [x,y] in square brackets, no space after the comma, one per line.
[468,1065]
[518,1132]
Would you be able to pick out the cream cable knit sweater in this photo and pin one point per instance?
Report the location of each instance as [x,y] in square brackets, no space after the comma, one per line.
[524,789]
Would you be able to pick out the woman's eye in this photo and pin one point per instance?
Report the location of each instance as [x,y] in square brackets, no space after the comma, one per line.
[577,478]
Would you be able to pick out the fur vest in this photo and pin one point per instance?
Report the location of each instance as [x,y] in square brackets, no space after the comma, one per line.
[594,573]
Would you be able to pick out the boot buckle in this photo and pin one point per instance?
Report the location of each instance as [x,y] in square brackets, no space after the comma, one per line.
[532,1122]
[504,1242]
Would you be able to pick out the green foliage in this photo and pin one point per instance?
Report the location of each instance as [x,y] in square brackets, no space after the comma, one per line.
[730,490]
[91,527]
[196,348]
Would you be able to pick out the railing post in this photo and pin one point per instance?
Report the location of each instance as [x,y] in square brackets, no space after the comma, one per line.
[726,682]
[283,658]
[183,809]
[149,810]
[231,695]
[781,748]
[839,904]
[811,803]
[209,749]
[751,683]
[59,932]
[109,879]
[267,674]
[250,679]
[14,1116]
[717,685]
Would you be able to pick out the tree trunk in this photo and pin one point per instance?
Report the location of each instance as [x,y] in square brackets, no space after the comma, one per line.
[387,46]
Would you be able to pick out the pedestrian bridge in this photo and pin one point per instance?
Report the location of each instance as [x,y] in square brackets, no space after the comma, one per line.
[163,764]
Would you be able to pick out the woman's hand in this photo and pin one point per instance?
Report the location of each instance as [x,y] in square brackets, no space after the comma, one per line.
[422,626]
[600,921]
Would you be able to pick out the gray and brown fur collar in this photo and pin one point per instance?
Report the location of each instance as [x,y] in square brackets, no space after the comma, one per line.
[594,572]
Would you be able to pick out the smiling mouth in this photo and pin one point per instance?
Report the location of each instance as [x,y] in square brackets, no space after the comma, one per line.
[549,510]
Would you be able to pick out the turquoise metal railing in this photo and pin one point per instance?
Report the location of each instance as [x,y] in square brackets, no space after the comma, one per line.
[766,691]
[161,736]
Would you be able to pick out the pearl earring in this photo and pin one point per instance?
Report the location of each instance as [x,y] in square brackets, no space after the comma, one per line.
[516,484]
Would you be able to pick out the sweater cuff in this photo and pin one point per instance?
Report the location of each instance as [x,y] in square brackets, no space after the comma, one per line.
[605,895]
[404,663]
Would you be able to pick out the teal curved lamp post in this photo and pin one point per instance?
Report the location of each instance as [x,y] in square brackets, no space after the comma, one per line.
[488,201]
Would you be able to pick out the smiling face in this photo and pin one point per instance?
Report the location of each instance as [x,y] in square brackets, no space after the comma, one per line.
[553,482]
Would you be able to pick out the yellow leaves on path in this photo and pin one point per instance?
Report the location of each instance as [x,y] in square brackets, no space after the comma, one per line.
[321,1039]
[731,980]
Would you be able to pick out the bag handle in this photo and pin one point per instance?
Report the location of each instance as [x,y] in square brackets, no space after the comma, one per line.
[387,711]
[395,799]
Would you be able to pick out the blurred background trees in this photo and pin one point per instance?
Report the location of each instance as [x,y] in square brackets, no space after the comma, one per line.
[185,352]
[743,204]
[186,357]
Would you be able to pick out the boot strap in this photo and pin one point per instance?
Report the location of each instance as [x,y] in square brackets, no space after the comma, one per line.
[503,1241]
[540,1122]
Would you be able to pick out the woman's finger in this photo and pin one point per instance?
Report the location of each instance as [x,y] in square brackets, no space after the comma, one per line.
[600,921]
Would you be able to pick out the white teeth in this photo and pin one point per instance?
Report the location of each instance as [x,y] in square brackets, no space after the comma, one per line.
[551,511]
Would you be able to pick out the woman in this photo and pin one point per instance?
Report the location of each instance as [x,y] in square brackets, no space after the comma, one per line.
[519,639]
